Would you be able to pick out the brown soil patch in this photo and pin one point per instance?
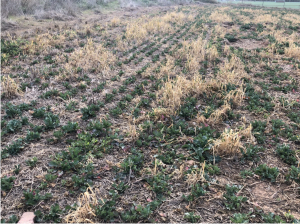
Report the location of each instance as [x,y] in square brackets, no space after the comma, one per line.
[249,44]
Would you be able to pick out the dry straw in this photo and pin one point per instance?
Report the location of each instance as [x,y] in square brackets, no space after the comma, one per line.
[85,210]
[9,87]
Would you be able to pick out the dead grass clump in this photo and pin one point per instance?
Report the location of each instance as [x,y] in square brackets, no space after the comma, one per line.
[84,212]
[230,143]
[193,52]
[196,176]
[115,22]
[219,115]
[173,91]
[236,96]
[43,43]
[92,56]
[9,87]
[220,17]
[212,53]
[140,30]
[132,132]
[293,51]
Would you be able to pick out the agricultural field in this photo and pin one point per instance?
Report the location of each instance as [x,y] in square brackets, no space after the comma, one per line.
[162,114]
[289,5]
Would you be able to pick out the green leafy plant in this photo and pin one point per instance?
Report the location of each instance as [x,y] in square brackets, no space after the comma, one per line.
[53,215]
[233,202]
[17,169]
[294,117]
[50,177]
[13,126]
[12,219]
[286,154]
[58,135]
[99,87]
[133,162]
[89,111]
[251,153]
[239,218]
[279,128]
[139,212]
[39,113]
[32,162]
[116,111]
[190,217]
[51,121]
[200,147]
[266,172]
[70,127]
[99,128]
[212,169]
[121,187]
[109,97]
[168,157]
[271,218]
[294,174]
[81,182]
[14,148]
[197,191]
[258,131]
[33,197]
[188,110]
[32,136]
[7,183]
[106,210]
[246,173]
[159,183]
[231,37]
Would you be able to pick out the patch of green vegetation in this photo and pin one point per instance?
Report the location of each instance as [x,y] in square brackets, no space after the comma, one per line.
[70,127]
[251,153]
[12,219]
[138,212]
[231,37]
[258,131]
[279,128]
[266,172]
[33,197]
[196,192]
[51,121]
[39,112]
[7,183]
[271,218]
[212,169]
[239,218]
[54,215]
[286,154]
[233,202]
[100,128]
[32,136]
[13,149]
[32,162]
[13,126]
[246,173]
[90,111]
[258,102]
[294,174]
[188,110]
[200,147]
[159,183]
[190,217]
[133,162]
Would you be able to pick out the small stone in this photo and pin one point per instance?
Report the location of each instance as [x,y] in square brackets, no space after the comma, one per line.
[27,218]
